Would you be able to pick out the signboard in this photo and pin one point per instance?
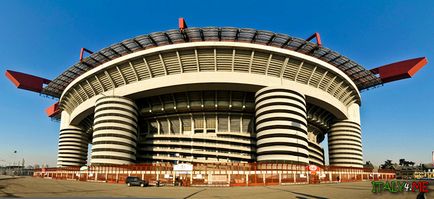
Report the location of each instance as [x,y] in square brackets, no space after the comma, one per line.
[313,169]
[183,167]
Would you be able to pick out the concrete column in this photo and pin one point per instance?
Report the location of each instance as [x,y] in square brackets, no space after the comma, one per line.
[115,131]
[247,179]
[73,144]
[280,178]
[345,140]
[229,179]
[263,178]
[281,125]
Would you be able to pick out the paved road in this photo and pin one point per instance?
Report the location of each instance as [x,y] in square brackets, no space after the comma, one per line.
[37,187]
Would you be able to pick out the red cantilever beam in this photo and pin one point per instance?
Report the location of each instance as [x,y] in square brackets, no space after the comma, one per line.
[182,24]
[53,110]
[26,81]
[317,37]
[400,70]
[82,51]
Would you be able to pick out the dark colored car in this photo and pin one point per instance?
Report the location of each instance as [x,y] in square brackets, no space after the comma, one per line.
[135,181]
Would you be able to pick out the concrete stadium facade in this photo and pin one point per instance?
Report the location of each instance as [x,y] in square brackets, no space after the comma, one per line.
[212,102]
[206,95]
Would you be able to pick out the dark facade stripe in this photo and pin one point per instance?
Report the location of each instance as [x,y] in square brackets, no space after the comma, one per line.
[115,128]
[286,119]
[201,147]
[72,153]
[114,150]
[280,135]
[72,133]
[277,152]
[118,97]
[316,158]
[84,147]
[316,152]
[116,115]
[337,136]
[97,110]
[344,153]
[282,127]
[344,148]
[351,163]
[351,128]
[279,111]
[111,157]
[345,158]
[85,143]
[248,157]
[132,124]
[345,139]
[347,143]
[71,161]
[282,104]
[83,139]
[115,143]
[74,157]
[142,140]
[278,90]
[73,149]
[115,135]
[118,102]
[315,146]
[280,96]
[282,144]
[67,129]
[350,122]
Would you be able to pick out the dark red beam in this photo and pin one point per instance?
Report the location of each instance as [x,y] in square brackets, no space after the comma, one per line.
[400,70]
[317,37]
[26,81]
[82,51]
[182,24]
[53,110]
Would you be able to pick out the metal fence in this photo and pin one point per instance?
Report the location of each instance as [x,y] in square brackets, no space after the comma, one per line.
[217,174]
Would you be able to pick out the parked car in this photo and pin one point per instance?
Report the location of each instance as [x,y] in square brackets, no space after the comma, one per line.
[136,181]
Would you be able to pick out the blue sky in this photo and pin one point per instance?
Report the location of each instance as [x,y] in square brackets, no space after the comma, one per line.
[44,38]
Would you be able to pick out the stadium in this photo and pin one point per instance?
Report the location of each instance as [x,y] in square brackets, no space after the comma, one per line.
[212,95]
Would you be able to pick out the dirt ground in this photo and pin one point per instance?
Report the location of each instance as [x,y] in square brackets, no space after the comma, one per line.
[38,187]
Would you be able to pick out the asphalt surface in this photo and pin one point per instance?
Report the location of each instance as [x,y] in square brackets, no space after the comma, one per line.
[38,187]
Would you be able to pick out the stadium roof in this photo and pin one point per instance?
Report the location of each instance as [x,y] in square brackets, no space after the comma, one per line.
[363,78]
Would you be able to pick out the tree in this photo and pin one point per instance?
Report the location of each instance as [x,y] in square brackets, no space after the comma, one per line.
[387,165]
[369,165]
[404,162]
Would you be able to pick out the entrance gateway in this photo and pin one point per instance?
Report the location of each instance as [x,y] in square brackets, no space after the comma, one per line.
[183,174]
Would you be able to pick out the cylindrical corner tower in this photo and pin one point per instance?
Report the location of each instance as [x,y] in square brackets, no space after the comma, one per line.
[115,131]
[281,126]
[345,144]
[73,144]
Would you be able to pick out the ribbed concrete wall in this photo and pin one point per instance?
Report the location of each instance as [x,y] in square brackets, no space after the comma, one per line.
[316,154]
[345,144]
[115,131]
[73,144]
[281,126]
